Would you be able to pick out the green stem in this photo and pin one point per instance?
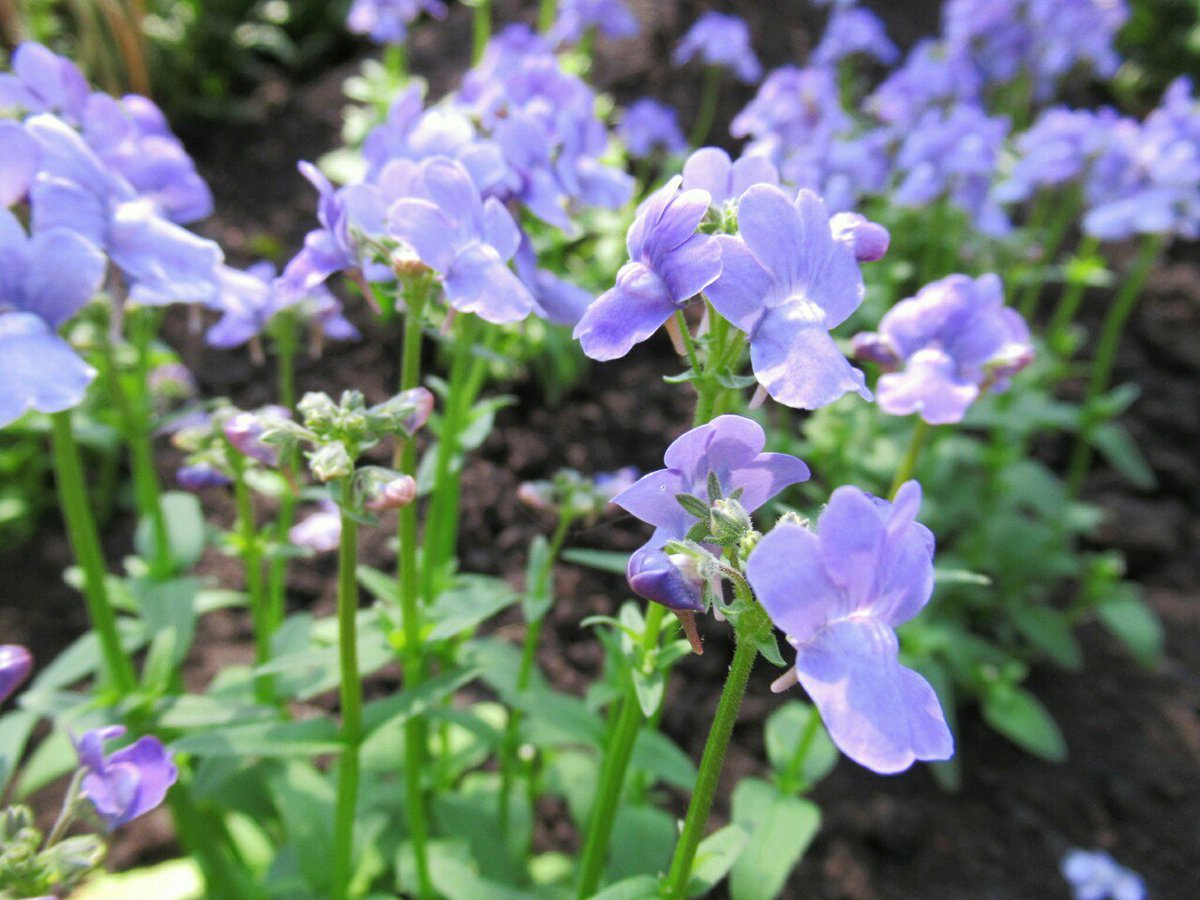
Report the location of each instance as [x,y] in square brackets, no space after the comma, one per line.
[351,697]
[482,30]
[252,561]
[528,656]
[710,767]
[1106,355]
[1068,303]
[547,11]
[909,464]
[410,606]
[707,111]
[613,769]
[395,61]
[1060,221]
[85,542]
[66,813]
[791,778]
[285,354]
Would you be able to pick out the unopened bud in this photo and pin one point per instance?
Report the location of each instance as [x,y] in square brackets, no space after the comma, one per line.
[331,462]
[869,240]
[244,432]
[200,476]
[318,410]
[15,663]
[729,522]
[391,493]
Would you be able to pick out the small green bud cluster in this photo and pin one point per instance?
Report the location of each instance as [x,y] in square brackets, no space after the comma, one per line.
[26,871]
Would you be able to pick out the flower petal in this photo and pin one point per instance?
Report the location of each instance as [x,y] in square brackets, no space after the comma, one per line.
[691,267]
[478,281]
[929,386]
[624,315]
[797,361]
[652,576]
[787,572]
[740,293]
[20,153]
[652,499]
[65,270]
[425,228]
[38,369]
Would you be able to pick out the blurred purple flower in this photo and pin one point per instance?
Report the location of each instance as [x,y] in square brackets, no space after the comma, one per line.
[786,282]
[468,241]
[851,31]
[610,17]
[129,782]
[669,265]
[955,339]
[729,447]
[387,21]
[200,477]
[720,40]
[15,664]
[43,81]
[648,126]
[837,593]
[244,431]
[21,159]
[1058,148]
[932,74]
[710,169]
[1094,875]
[557,299]
[794,107]
[321,530]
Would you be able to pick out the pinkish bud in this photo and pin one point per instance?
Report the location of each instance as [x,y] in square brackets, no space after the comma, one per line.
[869,240]
[392,494]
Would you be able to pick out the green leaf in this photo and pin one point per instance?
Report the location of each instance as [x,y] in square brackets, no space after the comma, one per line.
[693,506]
[640,887]
[202,711]
[603,560]
[185,530]
[381,586]
[1129,619]
[415,701]
[83,657]
[1119,450]
[798,747]
[472,813]
[471,600]
[641,843]
[649,687]
[781,828]
[538,595]
[305,800]
[657,755]
[960,576]
[768,646]
[310,737]
[715,856]
[15,729]
[558,720]
[1020,717]
[1049,631]
[178,879]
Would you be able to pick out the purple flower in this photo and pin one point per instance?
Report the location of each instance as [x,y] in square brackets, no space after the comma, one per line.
[720,40]
[669,265]
[201,477]
[648,126]
[1094,875]
[131,136]
[15,663]
[786,282]
[21,159]
[793,107]
[249,300]
[466,240]
[851,31]
[76,190]
[710,169]
[610,17]
[932,74]
[387,21]
[1059,148]
[244,431]
[557,300]
[43,81]
[320,531]
[128,783]
[837,593]
[729,447]
[955,339]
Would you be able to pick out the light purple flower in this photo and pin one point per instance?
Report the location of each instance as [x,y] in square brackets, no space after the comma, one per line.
[852,31]
[720,40]
[249,299]
[955,339]
[21,159]
[129,782]
[387,21]
[1059,148]
[786,282]
[43,81]
[729,447]
[838,593]
[710,169]
[610,17]
[932,74]
[1094,875]
[669,265]
[794,107]
[648,125]
[15,663]
[466,240]
[321,530]
[162,262]
[244,431]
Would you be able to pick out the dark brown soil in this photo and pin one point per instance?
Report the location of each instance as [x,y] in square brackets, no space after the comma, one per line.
[1132,784]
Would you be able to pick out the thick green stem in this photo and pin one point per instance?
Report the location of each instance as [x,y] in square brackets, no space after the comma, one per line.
[351,697]
[1068,303]
[710,767]
[410,607]
[508,753]
[547,11]
[908,466]
[395,61]
[252,561]
[1106,355]
[614,767]
[482,29]
[707,111]
[85,542]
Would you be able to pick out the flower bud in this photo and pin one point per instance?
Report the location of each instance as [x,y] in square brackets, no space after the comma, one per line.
[869,240]
[244,432]
[868,346]
[15,663]
[331,462]
[729,522]
[318,410]
[200,476]
[537,494]
[390,493]
[406,413]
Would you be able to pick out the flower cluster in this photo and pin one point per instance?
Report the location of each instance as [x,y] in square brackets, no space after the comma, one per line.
[720,40]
